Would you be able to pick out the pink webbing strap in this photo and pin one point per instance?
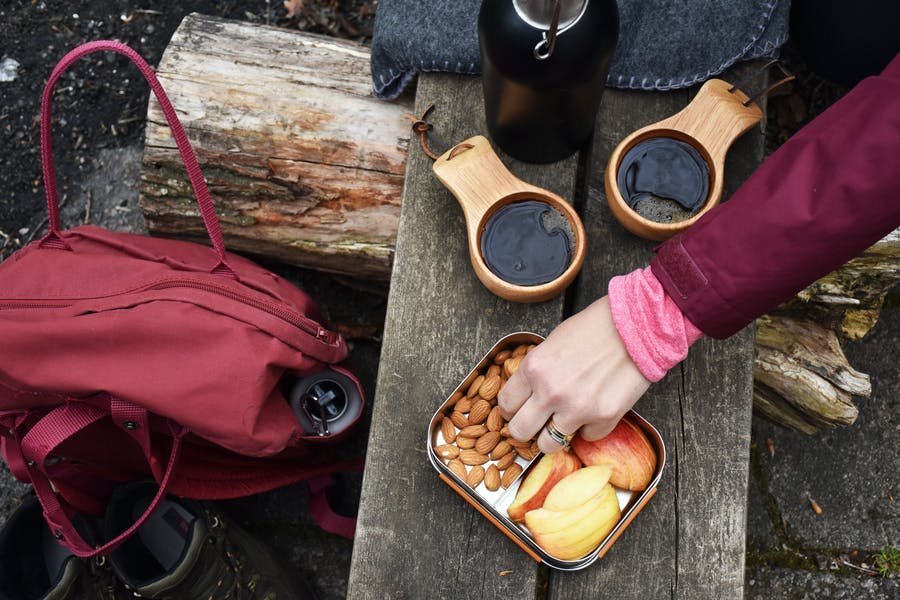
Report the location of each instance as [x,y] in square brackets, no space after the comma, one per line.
[322,512]
[201,192]
[53,429]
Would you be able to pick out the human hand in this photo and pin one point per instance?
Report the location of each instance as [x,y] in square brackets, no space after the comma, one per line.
[581,376]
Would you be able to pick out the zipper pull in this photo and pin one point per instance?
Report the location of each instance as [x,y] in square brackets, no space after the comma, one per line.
[329,337]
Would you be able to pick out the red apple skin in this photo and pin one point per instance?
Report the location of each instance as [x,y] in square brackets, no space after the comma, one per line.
[540,480]
[626,449]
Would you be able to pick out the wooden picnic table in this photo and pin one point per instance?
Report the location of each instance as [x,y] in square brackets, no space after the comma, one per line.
[416,538]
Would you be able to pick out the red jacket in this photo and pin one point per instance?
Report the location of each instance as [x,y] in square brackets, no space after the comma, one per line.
[826,195]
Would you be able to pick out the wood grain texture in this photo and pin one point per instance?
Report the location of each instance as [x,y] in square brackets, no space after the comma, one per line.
[415,537]
[304,164]
[689,541]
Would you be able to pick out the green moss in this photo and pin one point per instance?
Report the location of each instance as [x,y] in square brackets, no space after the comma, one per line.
[787,558]
[779,530]
[887,561]
[789,551]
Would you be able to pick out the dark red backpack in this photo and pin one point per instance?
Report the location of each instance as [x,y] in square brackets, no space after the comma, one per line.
[125,356]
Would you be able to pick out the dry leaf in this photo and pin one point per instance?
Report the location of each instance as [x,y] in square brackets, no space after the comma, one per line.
[293,8]
[815,506]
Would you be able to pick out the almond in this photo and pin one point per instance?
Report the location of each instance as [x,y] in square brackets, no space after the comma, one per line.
[527,452]
[500,450]
[511,365]
[480,411]
[447,451]
[487,442]
[510,475]
[492,370]
[448,430]
[464,405]
[459,419]
[489,387]
[473,389]
[517,443]
[504,431]
[492,478]
[472,431]
[520,350]
[501,356]
[506,460]
[456,397]
[472,457]
[495,420]
[475,476]
[458,468]
[465,442]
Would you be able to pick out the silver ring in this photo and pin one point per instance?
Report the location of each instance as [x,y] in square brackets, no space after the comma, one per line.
[558,436]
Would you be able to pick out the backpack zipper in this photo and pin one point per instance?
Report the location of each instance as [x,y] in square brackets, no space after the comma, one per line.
[305,324]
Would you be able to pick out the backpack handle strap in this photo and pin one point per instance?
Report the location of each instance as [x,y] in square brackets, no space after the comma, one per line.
[50,432]
[201,192]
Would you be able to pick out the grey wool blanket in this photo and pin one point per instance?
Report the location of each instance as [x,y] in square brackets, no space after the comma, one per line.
[663,44]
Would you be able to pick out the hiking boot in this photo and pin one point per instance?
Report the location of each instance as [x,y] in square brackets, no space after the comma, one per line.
[188,550]
[34,565]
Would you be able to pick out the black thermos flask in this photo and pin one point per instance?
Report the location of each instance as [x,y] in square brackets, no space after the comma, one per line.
[544,64]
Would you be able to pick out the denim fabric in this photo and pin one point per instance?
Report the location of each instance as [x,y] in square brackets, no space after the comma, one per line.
[663,44]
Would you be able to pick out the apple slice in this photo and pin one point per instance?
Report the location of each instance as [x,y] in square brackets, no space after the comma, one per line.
[577,488]
[550,469]
[626,449]
[574,533]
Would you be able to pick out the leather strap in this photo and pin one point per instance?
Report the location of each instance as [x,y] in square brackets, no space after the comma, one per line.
[49,433]
[207,210]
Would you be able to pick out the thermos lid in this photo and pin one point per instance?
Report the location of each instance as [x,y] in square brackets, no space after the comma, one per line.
[539,13]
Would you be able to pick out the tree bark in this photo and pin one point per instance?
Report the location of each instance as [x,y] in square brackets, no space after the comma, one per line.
[802,379]
[304,164]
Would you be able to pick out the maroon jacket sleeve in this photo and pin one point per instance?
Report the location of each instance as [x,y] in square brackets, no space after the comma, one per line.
[827,194]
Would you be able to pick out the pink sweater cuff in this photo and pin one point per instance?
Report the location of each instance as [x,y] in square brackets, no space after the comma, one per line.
[655,332]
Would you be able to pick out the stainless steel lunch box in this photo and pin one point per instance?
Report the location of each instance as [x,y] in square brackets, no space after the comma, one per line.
[493,504]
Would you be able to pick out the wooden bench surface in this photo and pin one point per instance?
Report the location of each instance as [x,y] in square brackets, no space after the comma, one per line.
[416,538]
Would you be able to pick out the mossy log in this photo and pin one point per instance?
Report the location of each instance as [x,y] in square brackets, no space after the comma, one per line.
[306,167]
[304,164]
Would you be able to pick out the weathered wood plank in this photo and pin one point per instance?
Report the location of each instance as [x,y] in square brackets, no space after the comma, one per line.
[415,537]
[689,541]
[304,163]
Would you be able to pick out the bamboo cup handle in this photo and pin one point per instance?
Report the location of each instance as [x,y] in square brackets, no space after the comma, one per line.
[712,121]
[477,178]
[481,183]
[715,118]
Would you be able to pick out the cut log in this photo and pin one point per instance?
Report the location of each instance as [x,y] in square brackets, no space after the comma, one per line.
[802,379]
[304,164]
[307,167]
[801,376]
[849,299]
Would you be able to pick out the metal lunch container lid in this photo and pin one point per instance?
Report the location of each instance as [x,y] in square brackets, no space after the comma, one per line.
[539,13]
